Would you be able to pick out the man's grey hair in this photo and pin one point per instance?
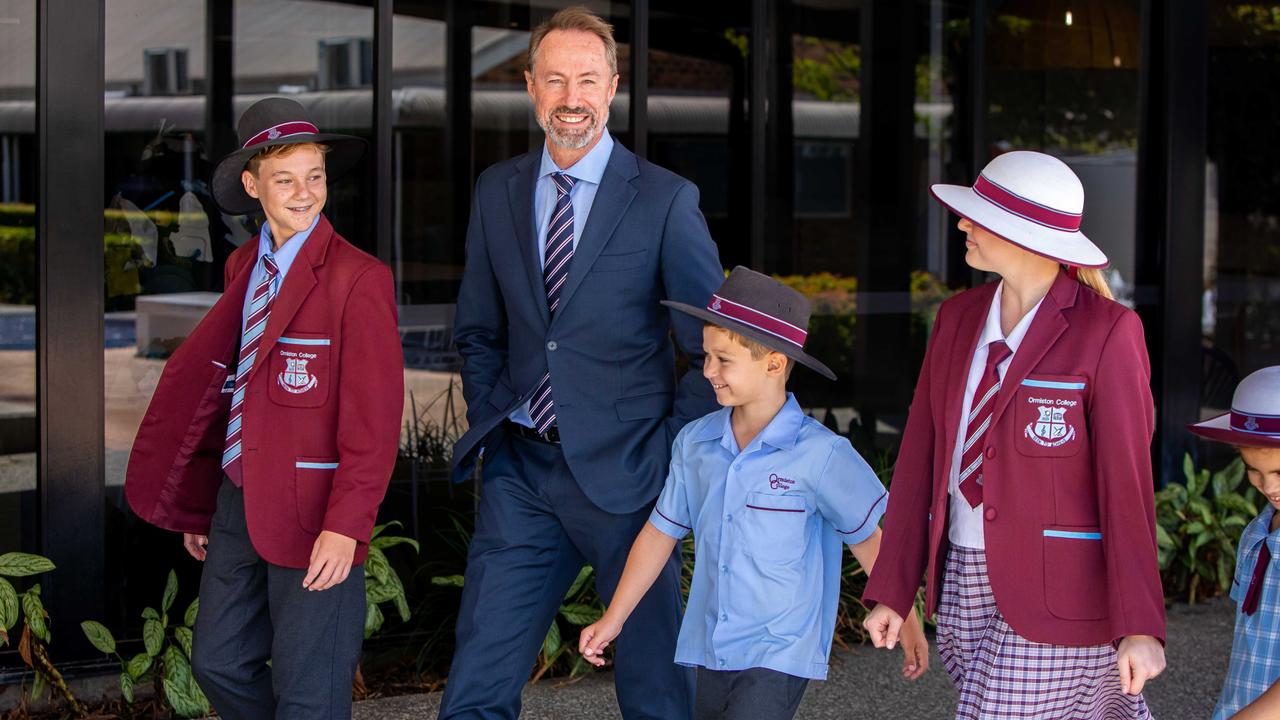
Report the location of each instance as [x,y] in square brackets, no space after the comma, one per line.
[576,18]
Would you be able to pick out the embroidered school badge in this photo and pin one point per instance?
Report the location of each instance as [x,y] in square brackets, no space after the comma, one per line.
[1051,429]
[776,481]
[295,379]
[1252,424]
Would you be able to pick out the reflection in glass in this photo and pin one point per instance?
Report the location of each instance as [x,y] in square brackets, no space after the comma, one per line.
[17,275]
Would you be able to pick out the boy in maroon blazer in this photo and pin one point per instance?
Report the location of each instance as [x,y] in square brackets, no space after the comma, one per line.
[271,436]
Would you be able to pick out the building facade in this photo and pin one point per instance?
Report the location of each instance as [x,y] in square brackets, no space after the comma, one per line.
[813,129]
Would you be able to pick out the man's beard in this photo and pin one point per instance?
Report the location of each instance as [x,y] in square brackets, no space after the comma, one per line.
[572,138]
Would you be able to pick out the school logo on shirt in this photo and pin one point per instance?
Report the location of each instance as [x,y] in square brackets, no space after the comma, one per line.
[295,378]
[1051,428]
[777,482]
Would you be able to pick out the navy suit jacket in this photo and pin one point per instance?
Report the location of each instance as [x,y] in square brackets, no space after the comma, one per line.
[608,348]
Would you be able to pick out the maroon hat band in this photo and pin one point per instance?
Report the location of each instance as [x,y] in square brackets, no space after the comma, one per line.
[1255,424]
[1024,208]
[275,132]
[758,320]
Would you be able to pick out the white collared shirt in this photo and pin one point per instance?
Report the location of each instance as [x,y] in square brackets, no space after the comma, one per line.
[966,528]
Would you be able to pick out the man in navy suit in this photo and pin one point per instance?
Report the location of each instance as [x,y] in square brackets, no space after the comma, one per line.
[570,380]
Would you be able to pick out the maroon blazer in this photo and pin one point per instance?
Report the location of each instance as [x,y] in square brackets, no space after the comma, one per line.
[1067,487]
[321,425]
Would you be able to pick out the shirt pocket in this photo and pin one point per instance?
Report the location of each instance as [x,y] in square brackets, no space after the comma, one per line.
[1050,412]
[773,527]
[312,483]
[1075,572]
[300,370]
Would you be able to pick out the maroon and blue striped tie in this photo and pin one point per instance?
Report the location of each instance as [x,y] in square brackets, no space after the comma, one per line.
[555,269]
[979,420]
[259,309]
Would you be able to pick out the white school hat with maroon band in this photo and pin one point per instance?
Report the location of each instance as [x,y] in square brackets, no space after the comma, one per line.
[1032,200]
[761,308]
[1254,420]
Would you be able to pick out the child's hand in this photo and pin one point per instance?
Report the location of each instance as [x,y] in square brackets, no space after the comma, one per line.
[915,648]
[331,559]
[196,545]
[884,625]
[596,637]
[1141,658]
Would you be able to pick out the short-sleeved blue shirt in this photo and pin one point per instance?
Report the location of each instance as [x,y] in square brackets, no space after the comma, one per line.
[1255,647]
[768,524]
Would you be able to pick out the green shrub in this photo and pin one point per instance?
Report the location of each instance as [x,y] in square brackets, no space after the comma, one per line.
[1197,527]
[33,645]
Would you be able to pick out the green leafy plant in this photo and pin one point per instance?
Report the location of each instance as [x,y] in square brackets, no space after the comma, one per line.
[166,656]
[381,582]
[33,644]
[1197,527]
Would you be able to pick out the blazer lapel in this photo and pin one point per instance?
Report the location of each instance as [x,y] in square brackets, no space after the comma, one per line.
[294,290]
[612,200]
[520,197]
[957,373]
[1048,324]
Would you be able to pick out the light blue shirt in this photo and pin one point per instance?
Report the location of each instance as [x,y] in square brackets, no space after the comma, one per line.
[284,258]
[768,525]
[1255,646]
[587,173]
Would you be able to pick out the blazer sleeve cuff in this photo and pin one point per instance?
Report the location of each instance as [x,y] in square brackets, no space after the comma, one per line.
[901,603]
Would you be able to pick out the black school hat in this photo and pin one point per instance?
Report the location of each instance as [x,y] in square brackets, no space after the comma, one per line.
[268,123]
[761,308]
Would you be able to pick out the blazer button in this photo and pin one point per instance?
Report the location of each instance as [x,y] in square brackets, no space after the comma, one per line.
[990,513]
[991,453]
[551,345]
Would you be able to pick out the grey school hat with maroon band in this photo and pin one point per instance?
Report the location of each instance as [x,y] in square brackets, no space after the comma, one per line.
[1254,420]
[761,308]
[267,123]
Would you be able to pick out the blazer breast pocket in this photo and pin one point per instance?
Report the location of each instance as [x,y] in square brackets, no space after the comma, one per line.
[1050,414]
[300,367]
[621,261]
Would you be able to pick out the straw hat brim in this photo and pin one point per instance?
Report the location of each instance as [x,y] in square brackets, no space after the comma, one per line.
[1219,429]
[770,341]
[228,191]
[1071,248]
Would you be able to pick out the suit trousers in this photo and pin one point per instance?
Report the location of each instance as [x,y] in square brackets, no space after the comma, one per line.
[751,694]
[534,531]
[252,612]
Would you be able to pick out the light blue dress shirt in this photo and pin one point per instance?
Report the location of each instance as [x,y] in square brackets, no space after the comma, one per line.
[769,522]
[1255,646]
[587,173]
[284,258]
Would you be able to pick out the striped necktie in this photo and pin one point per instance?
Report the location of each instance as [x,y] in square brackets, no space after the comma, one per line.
[555,269]
[259,308]
[978,422]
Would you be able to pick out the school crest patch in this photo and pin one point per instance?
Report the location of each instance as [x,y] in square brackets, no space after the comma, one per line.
[295,379]
[1051,428]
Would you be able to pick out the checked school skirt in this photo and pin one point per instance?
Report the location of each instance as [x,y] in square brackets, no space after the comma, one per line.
[1002,675]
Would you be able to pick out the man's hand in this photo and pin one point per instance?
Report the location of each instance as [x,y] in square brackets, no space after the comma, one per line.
[596,637]
[1141,658]
[331,559]
[197,545]
[884,625]
[915,648]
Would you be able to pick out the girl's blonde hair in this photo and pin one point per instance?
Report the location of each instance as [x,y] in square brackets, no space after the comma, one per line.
[1093,279]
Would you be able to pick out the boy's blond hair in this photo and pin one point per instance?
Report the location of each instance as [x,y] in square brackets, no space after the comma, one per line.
[758,350]
[280,151]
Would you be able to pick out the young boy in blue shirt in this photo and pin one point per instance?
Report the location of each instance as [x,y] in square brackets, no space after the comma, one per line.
[770,496]
[1252,689]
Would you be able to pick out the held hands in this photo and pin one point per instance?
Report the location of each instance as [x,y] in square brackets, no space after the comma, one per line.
[331,559]
[197,545]
[596,637]
[886,627]
[1141,658]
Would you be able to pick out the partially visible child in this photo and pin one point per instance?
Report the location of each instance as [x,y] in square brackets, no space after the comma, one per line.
[1253,427]
[770,496]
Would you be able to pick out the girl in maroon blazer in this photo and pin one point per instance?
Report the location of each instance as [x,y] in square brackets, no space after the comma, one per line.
[1023,487]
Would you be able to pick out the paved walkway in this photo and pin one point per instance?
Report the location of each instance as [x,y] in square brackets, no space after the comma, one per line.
[865,684]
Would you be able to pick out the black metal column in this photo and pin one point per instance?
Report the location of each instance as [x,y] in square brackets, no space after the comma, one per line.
[69,334]
[639,83]
[1171,185]
[383,151]
[757,117]
[457,99]
[219,113]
